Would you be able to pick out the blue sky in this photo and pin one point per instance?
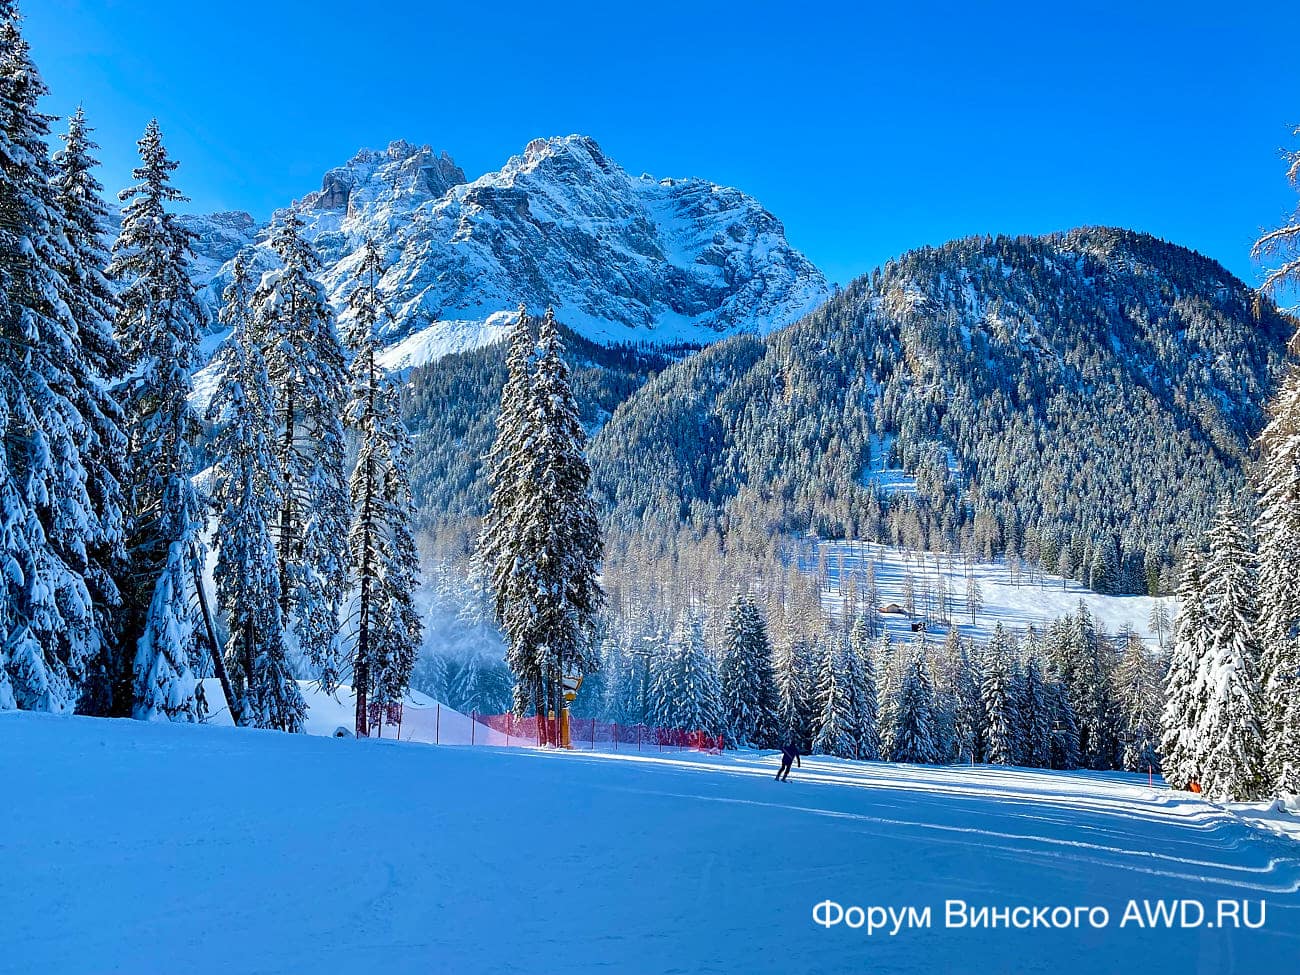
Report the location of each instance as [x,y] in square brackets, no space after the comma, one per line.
[867,128]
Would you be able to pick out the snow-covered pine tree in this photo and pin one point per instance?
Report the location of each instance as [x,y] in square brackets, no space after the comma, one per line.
[913,735]
[1065,729]
[384,564]
[60,527]
[1086,660]
[499,537]
[999,699]
[248,496]
[796,689]
[553,595]
[1181,746]
[107,687]
[837,733]
[305,363]
[157,326]
[1138,685]
[684,687]
[1277,529]
[862,682]
[1229,725]
[1036,717]
[969,724]
[749,695]
[889,668]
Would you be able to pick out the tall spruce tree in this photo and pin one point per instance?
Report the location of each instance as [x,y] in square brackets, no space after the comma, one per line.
[1229,723]
[969,731]
[306,366]
[837,730]
[553,594]
[94,306]
[385,626]
[59,517]
[1065,729]
[248,495]
[157,327]
[913,735]
[862,685]
[1035,717]
[1181,744]
[1000,704]
[749,695]
[499,536]
[684,687]
[1277,529]
[1139,683]
[796,690]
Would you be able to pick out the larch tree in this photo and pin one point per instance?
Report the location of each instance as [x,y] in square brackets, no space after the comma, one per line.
[157,327]
[1281,246]
[248,496]
[383,622]
[306,366]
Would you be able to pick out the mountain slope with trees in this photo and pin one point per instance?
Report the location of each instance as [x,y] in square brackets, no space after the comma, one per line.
[1080,399]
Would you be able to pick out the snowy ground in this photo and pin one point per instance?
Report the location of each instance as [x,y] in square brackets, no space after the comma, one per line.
[1016,602]
[153,848]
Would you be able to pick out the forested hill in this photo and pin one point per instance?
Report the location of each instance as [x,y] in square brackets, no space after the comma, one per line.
[1080,399]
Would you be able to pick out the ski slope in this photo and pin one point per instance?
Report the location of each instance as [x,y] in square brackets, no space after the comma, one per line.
[1012,600]
[139,848]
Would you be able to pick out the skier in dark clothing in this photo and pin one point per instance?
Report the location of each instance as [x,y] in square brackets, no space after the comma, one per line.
[789,755]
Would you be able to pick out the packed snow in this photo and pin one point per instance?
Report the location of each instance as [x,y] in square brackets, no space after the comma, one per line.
[1008,597]
[133,847]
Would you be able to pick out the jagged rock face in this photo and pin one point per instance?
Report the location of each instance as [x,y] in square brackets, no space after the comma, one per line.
[220,236]
[621,258]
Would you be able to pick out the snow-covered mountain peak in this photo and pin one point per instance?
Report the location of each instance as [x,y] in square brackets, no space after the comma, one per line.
[620,257]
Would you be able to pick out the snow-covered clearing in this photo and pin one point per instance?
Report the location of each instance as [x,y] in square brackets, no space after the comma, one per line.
[141,848]
[1013,600]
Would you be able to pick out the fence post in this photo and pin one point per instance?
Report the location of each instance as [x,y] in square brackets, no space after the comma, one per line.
[437,724]
[615,736]
[593,734]
[638,736]
[473,720]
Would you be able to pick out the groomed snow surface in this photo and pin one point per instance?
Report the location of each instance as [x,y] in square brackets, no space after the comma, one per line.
[1012,600]
[143,848]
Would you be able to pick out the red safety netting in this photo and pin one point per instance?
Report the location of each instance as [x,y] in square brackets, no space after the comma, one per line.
[596,735]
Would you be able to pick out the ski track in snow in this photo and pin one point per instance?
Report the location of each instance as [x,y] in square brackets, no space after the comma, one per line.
[140,848]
